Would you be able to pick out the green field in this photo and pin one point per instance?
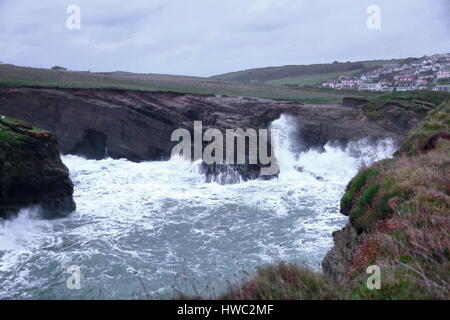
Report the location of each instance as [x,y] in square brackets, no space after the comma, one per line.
[308,79]
[21,76]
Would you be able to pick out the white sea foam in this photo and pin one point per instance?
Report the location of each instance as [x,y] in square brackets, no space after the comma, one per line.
[148,222]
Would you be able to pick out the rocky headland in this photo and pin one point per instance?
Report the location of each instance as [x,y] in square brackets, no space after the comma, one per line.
[31,172]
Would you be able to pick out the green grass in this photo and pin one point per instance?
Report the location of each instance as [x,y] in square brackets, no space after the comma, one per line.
[437,120]
[292,282]
[308,79]
[10,136]
[435,98]
[415,101]
[287,282]
[364,200]
[355,186]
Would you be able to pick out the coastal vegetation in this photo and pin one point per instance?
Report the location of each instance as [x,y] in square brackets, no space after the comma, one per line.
[400,210]
[16,132]
[414,101]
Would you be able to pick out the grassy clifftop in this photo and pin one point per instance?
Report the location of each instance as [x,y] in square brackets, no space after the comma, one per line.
[399,212]
[15,132]
[413,101]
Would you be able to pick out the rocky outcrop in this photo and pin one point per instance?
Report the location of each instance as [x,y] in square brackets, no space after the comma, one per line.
[322,124]
[338,261]
[31,172]
[353,102]
[433,140]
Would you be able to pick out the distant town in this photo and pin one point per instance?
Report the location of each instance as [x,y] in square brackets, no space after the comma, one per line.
[426,73]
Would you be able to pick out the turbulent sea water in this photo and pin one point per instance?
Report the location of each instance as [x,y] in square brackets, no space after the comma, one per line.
[151,229]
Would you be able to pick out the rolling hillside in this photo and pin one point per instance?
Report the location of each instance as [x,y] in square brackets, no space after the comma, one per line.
[303,74]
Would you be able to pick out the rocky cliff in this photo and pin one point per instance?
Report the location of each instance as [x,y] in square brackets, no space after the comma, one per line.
[137,125]
[31,171]
[399,216]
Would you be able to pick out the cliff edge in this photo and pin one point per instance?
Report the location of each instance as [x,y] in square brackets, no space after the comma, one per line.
[31,171]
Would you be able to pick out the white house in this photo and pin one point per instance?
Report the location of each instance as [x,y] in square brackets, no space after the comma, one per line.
[442,88]
[371,86]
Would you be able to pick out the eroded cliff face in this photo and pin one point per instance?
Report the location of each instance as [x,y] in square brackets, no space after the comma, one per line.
[31,172]
[129,124]
[137,125]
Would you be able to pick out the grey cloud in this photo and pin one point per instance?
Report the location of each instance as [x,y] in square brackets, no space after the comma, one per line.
[206,37]
[123,18]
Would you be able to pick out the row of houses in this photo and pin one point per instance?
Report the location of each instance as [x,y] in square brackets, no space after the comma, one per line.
[421,74]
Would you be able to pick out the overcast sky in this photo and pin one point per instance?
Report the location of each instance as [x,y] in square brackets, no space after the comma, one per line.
[207,37]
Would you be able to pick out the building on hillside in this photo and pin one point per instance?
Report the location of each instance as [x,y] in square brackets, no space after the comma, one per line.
[58,68]
[404,78]
[422,81]
[371,86]
[388,88]
[328,84]
[407,87]
[445,88]
[350,83]
[444,72]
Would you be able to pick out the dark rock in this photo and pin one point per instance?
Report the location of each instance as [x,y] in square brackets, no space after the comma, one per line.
[338,125]
[92,146]
[432,141]
[230,173]
[354,102]
[338,260]
[32,173]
